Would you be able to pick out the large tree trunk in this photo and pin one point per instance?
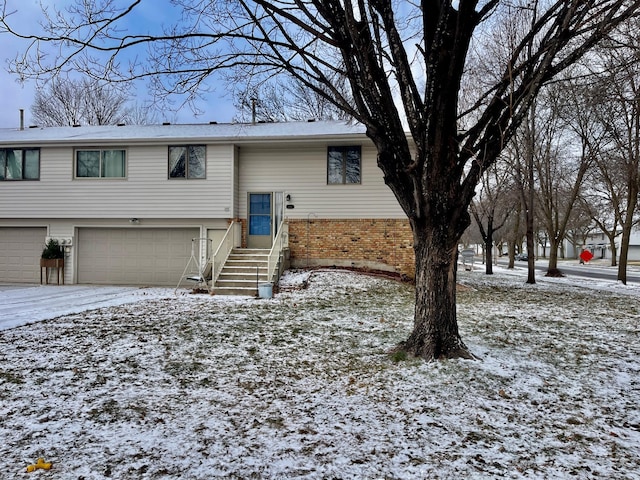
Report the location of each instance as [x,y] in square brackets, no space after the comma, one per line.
[627,224]
[624,244]
[488,247]
[552,270]
[511,247]
[632,203]
[624,251]
[435,332]
[531,241]
[614,251]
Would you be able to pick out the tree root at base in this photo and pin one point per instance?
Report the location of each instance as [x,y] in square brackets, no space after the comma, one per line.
[428,353]
[554,272]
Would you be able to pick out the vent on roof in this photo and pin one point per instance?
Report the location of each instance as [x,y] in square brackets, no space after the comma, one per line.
[33,126]
[311,120]
[76,124]
[166,123]
[213,123]
[121,124]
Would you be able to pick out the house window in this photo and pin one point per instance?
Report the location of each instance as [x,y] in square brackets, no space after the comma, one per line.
[98,163]
[343,165]
[187,161]
[19,164]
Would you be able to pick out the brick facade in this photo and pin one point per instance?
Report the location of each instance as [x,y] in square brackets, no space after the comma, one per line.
[380,244]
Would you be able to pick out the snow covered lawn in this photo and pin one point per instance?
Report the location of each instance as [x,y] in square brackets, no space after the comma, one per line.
[302,386]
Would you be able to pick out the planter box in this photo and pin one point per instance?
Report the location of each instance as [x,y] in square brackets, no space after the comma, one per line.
[52,263]
[47,263]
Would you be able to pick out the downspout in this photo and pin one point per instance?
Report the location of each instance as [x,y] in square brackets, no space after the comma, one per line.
[309,234]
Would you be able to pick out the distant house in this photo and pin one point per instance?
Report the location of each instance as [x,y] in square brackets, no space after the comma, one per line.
[128,202]
[598,244]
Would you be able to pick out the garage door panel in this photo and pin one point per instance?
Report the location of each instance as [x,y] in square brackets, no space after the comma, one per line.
[20,250]
[133,256]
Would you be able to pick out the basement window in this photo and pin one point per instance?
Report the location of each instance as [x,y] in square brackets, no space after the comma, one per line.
[343,165]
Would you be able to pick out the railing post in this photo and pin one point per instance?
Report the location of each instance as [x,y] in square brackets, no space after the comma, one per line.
[229,241]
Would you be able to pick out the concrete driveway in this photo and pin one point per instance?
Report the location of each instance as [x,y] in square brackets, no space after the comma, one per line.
[24,304]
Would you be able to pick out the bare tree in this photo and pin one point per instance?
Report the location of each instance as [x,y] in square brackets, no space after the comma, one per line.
[620,166]
[608,113]
[523,161]
[141,114]
[560,170]
[603,203]
[490,209]
[581,224]
[404,64]
[79,102]
[512,233]
[281,102]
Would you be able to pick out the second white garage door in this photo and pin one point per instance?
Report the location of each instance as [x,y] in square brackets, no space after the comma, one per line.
[133,256]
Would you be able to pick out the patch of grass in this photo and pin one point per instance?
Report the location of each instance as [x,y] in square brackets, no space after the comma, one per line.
[399,356]
[11,377]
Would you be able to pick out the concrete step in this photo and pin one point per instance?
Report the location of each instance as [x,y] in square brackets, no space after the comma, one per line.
[249,254]
[250,292]
[243,270]
[251,272]
[238,282]
[249,280]
[251,251]
[243,262]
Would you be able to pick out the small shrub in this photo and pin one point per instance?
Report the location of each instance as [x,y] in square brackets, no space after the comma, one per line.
[52,249]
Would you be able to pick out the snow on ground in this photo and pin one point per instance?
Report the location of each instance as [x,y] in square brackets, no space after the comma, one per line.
[24,304]
[303,386]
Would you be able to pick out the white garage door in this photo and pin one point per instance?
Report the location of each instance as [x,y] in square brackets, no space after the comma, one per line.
[20,250]
[133,256]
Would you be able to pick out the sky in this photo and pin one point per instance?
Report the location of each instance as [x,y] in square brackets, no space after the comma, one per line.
[16,96]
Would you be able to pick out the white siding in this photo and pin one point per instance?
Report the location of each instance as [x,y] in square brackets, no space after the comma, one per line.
[301,171]
[145,193]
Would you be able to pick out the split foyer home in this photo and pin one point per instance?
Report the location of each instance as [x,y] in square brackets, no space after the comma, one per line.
[150,205]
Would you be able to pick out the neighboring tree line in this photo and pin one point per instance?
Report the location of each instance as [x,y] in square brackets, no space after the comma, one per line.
[572,170]
[85,101]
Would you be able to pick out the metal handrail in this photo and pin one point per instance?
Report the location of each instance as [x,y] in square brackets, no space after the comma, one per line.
[279,244]
[230,240]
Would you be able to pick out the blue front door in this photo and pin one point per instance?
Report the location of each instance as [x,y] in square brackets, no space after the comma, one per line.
[260,220]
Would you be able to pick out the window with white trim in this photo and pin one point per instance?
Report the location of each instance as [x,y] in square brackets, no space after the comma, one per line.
[101,163]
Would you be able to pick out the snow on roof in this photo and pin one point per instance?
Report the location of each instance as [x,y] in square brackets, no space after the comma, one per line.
[217,133]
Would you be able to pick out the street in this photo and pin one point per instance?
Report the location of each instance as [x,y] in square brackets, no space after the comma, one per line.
[573,268]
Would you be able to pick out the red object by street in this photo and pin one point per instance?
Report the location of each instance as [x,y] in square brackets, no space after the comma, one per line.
[586,255]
